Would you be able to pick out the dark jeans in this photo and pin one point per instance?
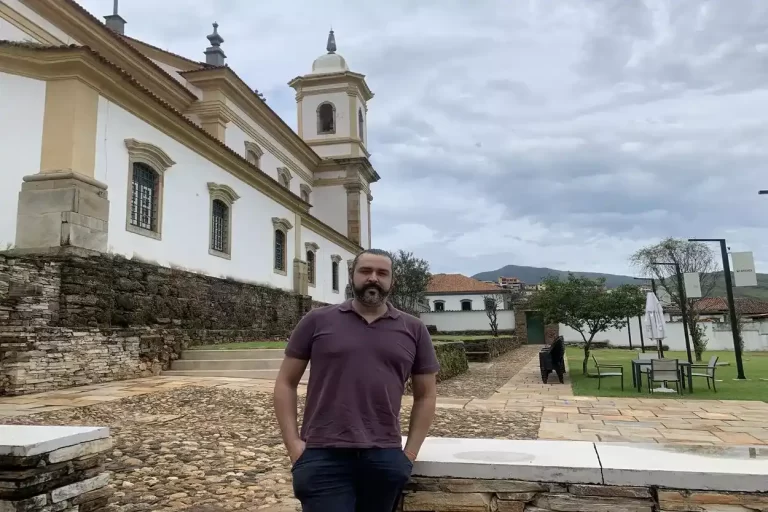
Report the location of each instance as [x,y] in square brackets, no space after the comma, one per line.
[350,480]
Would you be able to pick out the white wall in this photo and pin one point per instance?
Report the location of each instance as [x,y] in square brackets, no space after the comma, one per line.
[329,204]
[186,208]
[9,32]
[364,220]
[22,105]
[453,302]
[175,73]
[323,289]
[718,335]
[448,321]
[38,20]
[309,111]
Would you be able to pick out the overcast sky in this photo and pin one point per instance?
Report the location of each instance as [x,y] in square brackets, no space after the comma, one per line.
[547,133]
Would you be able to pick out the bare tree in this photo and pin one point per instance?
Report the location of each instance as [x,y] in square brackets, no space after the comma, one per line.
[691,257]
[494,302]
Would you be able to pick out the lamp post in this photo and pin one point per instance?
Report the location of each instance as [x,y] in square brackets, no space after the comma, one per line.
[683,309]
[731,302]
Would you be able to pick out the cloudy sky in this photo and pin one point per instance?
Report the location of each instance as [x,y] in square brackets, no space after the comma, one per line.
[547,133]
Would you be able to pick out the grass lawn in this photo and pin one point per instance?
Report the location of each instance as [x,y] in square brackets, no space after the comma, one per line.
[728,388]
[451,337]
[245,345]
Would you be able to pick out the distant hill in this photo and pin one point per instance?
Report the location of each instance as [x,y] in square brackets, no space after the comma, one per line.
[534,275]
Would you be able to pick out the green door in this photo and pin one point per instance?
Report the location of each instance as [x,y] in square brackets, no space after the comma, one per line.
[534,323]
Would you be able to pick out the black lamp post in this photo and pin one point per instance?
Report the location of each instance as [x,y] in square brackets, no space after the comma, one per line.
[731,302]
[683,309]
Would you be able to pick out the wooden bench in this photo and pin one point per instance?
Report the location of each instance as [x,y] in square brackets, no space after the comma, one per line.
[552,358]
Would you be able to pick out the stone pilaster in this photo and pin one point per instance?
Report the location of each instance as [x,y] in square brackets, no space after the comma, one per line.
[353,210]
[370,199]
[300,277]
[64,205]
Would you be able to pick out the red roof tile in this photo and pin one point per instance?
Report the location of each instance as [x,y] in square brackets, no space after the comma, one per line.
[457,283]
[745,305]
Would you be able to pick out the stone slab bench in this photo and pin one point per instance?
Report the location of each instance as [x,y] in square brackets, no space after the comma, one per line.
[53,468]
[540,476]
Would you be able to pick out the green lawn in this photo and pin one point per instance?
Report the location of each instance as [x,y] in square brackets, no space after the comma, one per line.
[728,388]
[245,345]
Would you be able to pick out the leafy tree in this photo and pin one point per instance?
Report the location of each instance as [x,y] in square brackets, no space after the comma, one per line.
[691,257]
[586,306]
[411,280]
[495,301]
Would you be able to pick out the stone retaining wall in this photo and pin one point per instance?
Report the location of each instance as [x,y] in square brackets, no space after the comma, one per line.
[73,319]
[493,346]
[54,474]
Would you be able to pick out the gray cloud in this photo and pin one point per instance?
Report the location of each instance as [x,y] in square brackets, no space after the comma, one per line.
[565,135]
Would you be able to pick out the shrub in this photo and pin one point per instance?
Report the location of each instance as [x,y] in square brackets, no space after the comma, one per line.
[453,359]
[432,329]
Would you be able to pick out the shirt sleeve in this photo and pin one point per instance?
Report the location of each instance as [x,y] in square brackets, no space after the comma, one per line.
[425,361]
[300,343]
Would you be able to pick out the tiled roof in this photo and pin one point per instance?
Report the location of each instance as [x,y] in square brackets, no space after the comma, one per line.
[745,305]
[457,283]
[197,64]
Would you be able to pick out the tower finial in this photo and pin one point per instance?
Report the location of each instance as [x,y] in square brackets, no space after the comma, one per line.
[114,7]
[331,46]
[214,55]
[114,21]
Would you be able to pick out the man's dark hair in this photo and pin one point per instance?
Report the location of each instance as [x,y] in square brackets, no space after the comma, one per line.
[375,252]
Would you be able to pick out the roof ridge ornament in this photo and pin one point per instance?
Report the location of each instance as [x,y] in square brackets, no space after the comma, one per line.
[214,55]
[331,46]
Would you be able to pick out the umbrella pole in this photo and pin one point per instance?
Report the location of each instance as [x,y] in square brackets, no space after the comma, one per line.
[642,341]
[660,349]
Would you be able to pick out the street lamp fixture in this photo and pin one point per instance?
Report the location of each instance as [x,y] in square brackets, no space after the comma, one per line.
[731,302]
[763,192]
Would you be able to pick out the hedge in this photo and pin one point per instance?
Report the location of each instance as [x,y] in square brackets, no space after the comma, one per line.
[452,356]
[494,347]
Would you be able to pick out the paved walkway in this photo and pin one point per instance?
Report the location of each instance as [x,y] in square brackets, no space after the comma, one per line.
[563,416]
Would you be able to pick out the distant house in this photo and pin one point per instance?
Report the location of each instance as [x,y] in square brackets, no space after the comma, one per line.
[716,309]
[456,292]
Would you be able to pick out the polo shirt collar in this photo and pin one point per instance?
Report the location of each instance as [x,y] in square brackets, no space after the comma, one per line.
[391,311]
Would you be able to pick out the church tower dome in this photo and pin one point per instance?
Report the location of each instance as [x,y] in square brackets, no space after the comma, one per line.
[331,62]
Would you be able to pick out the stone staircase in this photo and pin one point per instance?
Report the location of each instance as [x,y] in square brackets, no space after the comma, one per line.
[243,364]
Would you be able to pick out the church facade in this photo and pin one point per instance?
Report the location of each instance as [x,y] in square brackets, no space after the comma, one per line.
[113,145]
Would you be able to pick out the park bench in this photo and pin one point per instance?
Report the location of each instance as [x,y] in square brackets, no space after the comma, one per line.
[552,358]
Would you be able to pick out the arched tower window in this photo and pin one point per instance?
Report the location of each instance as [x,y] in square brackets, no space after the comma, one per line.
[361,125]
[326,118]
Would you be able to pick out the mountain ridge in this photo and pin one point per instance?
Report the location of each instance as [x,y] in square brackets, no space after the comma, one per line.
[534,275]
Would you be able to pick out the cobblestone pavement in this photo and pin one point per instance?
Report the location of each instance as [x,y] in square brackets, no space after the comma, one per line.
[220,447]
[484,379]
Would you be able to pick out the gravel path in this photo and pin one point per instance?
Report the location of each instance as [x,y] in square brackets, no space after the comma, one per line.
[211,448]
[483,379]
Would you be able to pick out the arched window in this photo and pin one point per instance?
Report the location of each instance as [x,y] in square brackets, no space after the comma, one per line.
[284,177]
[439,305]
[220,226]
[222,199]
[145,187]
[335,259]
[146,172]
[326,118]
[305,192]
[311,267]
[253,153]
[281,228]
[361,126]
[466,305]
[280,250]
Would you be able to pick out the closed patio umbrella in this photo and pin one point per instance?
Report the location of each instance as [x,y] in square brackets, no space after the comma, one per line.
[655,326]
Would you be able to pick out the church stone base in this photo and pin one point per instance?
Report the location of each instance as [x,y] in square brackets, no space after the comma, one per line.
[60,209]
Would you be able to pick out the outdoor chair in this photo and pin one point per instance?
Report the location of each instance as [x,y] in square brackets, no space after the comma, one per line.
[709,371]
[552,358]
[601,374]
[665,370]
[646,356]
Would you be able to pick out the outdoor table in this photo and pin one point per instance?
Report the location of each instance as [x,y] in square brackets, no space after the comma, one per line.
[637,374]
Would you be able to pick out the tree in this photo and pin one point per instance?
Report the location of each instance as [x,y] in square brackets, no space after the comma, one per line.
[495,301]
[691,257]
[411,280]
[586,306]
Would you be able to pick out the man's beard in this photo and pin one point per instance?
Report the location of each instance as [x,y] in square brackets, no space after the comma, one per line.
[370,294]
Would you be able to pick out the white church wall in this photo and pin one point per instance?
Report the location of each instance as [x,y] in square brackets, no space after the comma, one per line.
[333,149]
[364,220]
[9,32]
[329,204]
[41,22]
[323,289]
[186,207]
[174,72]
[311,102]
[22,106]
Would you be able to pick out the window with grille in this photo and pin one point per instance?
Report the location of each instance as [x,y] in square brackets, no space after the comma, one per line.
[326,118]
[144,197]
[220,226]
[279,250]
[335,275]
[311,267]
[439,305]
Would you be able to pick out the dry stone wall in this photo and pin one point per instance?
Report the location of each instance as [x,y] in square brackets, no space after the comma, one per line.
[454,494]
[75,319]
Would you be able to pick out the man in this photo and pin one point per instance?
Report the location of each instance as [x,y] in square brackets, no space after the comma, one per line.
[349,456]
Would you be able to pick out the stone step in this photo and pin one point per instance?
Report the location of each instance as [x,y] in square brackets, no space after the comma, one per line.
[226,364]
[234,374]
[256,353]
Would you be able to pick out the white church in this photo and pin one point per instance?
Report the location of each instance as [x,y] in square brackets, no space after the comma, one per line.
[111,144]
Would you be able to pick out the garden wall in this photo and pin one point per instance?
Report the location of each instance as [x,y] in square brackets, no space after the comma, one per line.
[461,321]
[571,476]
[489,348]
[71,319]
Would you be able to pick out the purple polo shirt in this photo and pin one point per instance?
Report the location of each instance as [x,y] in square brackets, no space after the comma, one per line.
[358,374]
